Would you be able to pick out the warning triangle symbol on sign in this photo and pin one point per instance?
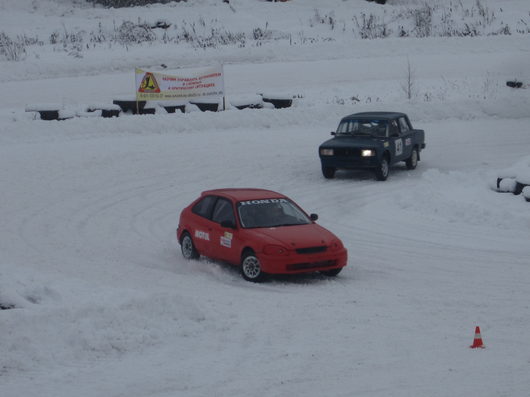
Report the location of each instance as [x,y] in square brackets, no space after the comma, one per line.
[149,84]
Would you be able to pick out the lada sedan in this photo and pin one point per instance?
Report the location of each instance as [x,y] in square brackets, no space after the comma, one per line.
[372,140]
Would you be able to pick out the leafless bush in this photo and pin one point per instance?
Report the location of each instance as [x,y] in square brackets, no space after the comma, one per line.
[12,50]
[327,19]
[423,21]
[129,3]
[371,26]
[261,34]
[522,26]
[217,38]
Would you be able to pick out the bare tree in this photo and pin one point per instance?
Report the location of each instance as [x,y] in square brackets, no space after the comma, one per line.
[409,86]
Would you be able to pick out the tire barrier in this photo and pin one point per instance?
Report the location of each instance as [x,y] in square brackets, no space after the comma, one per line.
[515,180]
[131,106]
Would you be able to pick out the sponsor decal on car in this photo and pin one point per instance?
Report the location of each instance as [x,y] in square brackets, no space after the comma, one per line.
[263,201]
[399,146]
[408,142]
[202,235]
[226,240]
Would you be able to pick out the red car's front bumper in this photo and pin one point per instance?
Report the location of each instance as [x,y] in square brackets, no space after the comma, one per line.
[303,263]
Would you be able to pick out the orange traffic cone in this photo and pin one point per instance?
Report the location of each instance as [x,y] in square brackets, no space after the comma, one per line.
[477,342]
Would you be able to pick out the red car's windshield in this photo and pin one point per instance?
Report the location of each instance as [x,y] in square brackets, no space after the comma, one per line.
[270,213]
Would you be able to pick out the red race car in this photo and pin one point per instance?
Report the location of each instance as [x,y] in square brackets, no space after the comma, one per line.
[261,231]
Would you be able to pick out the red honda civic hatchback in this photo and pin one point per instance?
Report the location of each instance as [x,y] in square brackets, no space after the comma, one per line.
[261,231]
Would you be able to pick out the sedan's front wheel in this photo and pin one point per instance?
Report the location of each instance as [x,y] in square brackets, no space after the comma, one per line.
[251,267]
[328,172]
[381,172]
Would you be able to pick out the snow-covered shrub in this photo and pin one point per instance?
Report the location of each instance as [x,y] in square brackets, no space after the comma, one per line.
[371,26]
[259,34]
[327,19]
[219,37]
[423,21]
[130,33]
[70,42]
[129,3]
[12,50]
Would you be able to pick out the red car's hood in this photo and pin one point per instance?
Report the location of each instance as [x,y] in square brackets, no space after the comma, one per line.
[298,236]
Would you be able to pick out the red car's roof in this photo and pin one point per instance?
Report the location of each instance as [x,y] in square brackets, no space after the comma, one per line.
[241,194]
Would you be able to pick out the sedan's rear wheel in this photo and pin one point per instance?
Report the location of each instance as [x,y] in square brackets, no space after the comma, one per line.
[251,267]
[187,247]
[412,161]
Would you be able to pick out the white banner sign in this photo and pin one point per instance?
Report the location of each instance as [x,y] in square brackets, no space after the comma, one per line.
[188,84]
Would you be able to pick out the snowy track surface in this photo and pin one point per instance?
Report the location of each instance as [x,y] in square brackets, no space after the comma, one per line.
[89,256]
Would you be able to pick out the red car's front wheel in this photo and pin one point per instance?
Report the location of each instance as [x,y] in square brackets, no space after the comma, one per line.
[251,267]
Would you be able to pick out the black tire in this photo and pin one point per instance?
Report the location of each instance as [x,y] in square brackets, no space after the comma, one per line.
[187,247]
[382,170]
[251,267]
[328,172]
[412,161]
[332,272]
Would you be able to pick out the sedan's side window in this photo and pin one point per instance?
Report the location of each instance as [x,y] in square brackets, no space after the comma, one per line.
[403,124]
[223,211]
[204,207]
[393,128]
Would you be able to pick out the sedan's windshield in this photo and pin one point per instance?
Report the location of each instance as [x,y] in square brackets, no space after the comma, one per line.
[363,127]
[270,213]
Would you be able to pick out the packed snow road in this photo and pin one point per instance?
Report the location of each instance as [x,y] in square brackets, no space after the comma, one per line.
[89,211]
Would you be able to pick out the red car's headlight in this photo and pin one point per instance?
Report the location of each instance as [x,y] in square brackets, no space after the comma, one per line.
[275,250]
[335,245]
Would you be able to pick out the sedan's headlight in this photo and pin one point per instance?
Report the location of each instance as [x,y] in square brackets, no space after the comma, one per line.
[326,152]
[368,152]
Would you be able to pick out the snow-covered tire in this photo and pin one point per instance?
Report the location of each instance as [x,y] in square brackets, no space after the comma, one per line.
[526,193]
[187,247]
[412,161]
[251,267]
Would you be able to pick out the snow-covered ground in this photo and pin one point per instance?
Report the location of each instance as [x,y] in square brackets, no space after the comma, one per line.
[104,303]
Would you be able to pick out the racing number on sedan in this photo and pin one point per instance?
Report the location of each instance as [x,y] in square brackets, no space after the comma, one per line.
[399,146]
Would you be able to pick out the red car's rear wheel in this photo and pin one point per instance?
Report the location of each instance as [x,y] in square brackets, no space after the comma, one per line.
[187,247]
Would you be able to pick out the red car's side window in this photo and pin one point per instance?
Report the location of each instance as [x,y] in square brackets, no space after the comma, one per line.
[204,207]
[223,211]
